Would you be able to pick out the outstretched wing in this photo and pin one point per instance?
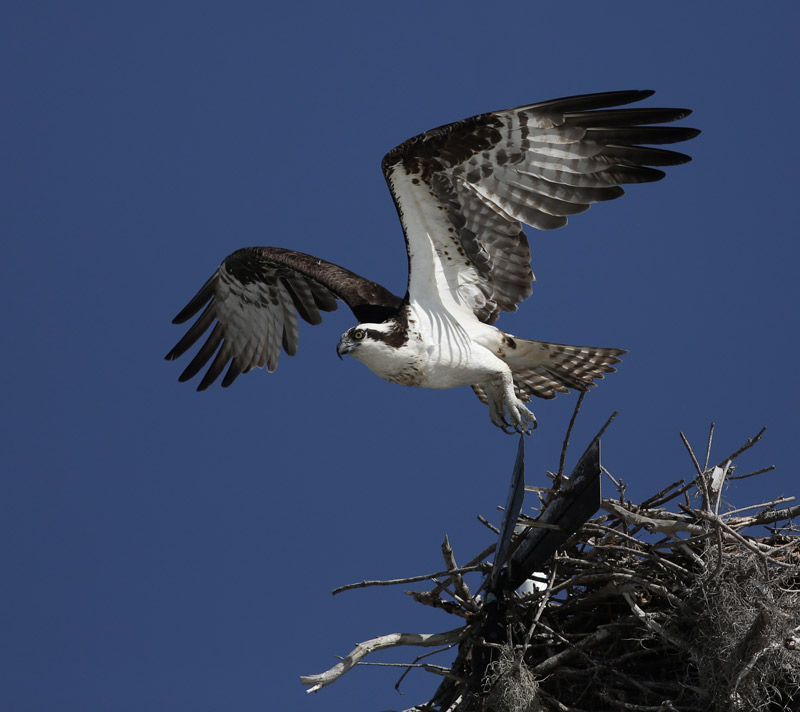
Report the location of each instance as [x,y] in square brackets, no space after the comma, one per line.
[252,302]
[463,190]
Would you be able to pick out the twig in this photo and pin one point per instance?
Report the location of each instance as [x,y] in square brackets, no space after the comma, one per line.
[479,558]
[767,505]
[427,598]
[558,659]
[677,493]
[708,448]
[701,477]
[664,525]
[605,425]
[416,664]
[531,523]
[691,454]
[488,524]
[545,597]
[752,474]
[752,546]
[617,483]
[317,682]
[750,442]
[462,590]
[776,515]
[651,624]
[565,445]
[410,579]
[654,500]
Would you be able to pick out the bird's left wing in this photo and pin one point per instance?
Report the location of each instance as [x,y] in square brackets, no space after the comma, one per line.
[252,302]
[463,190]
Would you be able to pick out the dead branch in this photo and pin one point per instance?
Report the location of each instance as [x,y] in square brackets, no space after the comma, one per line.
[463,594]
[393,640]
[565,445]
[409,579]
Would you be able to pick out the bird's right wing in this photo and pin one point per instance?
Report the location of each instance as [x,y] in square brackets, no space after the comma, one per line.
[252,302]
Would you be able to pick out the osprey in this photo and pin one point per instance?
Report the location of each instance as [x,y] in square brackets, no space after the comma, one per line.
[462,193]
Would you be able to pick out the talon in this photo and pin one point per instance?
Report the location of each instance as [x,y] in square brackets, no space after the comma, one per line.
[507,411]
[503,424]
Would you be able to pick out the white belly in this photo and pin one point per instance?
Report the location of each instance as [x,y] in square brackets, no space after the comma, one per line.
[440,353]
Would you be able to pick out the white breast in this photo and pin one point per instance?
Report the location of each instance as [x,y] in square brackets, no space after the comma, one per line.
[449,353]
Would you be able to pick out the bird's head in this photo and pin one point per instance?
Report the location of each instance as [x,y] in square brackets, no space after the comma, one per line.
[353,340]
[366,342]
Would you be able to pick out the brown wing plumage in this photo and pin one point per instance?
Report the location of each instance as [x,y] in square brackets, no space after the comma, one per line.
[535,164]
[251,306]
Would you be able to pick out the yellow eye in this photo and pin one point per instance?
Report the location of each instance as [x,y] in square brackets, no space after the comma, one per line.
[359,334]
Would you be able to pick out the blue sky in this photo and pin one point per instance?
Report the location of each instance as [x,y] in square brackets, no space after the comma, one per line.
[169,550]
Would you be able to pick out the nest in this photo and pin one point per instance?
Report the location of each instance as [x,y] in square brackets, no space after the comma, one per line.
[667,605]
[631,623]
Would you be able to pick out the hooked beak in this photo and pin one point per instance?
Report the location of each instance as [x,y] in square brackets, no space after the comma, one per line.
[343,347]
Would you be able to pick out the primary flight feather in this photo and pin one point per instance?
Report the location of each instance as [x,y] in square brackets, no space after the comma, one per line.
[462,193]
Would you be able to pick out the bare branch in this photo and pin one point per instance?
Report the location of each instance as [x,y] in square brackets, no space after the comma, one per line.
[410,579]
[554,661]
[752,474]
[428,598]
[416,663]
[765,505]
[462,590]
[393,640]
[776,515]
[651,624]
[691,454]
[750,442]
[708,448]
[569,431]
[655,500]
[488,524]
[474,562]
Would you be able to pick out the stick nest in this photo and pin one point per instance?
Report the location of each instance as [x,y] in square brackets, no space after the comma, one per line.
[667,606]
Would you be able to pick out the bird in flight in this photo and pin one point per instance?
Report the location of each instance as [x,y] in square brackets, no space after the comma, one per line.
[462,192]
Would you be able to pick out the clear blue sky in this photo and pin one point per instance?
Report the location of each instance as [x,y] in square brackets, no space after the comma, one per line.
[169,550]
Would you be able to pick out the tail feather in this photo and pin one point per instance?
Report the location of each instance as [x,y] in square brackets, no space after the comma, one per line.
[543,369]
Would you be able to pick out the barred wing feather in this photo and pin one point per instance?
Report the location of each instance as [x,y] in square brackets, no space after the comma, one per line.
[468,187]
[251,306]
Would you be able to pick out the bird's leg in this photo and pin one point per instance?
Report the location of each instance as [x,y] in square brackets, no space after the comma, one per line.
[497,413]
[522,420]
[502,401]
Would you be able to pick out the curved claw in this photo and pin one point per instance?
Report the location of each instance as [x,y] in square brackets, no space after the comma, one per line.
[523,420]
[527,427]
[504,425]
[526,421]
